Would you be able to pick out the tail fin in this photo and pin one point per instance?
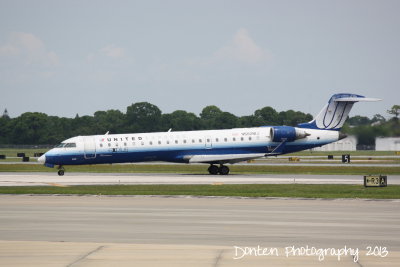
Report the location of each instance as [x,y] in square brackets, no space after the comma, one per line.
[334,114]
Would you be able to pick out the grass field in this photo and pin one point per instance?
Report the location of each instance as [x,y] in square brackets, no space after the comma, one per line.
[202,169]
[252,190]
[259,190]
[29,152]
[340,153]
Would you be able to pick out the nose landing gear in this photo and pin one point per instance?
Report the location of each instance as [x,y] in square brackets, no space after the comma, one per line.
[61,170]
[222,170]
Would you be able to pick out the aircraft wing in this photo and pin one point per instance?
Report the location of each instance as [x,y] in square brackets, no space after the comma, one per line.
[223,158]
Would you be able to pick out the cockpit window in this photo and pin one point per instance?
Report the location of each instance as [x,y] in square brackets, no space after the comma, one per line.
[60,145]
[66,145]
[70,145]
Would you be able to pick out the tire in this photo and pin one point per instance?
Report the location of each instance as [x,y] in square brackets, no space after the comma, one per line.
[61,172]
[213,170]
[223,170]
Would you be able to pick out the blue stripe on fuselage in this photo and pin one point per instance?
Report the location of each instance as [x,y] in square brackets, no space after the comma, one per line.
[167,154]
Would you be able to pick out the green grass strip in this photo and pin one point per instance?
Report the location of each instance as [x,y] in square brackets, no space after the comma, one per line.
[248,190]
[202,169]
[340,153]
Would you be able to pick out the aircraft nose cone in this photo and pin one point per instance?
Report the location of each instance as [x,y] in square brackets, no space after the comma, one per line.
[42,159]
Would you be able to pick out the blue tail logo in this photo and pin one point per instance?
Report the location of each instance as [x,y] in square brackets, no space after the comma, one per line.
[334,114]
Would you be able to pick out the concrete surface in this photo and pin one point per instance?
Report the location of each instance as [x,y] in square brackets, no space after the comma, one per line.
[42,253]
[156,231]
[29,179]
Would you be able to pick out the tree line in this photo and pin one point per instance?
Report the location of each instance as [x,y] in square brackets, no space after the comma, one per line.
[367,129]
[36,128]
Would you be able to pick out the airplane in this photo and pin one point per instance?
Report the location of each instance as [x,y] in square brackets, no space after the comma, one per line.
[214,147]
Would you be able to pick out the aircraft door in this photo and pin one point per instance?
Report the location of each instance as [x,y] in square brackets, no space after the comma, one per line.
[89,147]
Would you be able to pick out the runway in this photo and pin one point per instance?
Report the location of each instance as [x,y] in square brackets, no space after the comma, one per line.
[195,231]
[46,178]
[155,231]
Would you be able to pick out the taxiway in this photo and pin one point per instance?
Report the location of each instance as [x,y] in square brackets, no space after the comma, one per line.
[46,178]
[182,231]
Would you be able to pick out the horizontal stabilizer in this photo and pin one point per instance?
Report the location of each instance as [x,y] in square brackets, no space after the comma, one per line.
[357,99]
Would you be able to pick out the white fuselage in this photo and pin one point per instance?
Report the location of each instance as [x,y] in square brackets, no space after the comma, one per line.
[211,146]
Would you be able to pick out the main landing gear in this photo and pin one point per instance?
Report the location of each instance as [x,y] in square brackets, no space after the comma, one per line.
[61,170]
[222,169]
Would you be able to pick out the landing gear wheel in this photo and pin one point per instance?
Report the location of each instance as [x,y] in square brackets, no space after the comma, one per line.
[61,170]
[223,170]
[213,169]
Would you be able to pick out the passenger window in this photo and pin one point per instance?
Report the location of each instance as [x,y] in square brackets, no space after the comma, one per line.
[241,138]
[216,139]
[226,139]
[234,139]
[109,144]
[101,145]
[249,138]
[184,141]
[200,140]
[159,142]
[151,143]
[193,141]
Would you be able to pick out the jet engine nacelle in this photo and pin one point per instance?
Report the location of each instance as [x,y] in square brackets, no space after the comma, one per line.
[287,133]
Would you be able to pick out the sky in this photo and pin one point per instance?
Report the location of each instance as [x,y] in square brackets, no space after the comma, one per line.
[73,57]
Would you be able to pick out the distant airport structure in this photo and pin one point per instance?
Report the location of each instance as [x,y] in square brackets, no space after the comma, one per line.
[347,144]
[387,144]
